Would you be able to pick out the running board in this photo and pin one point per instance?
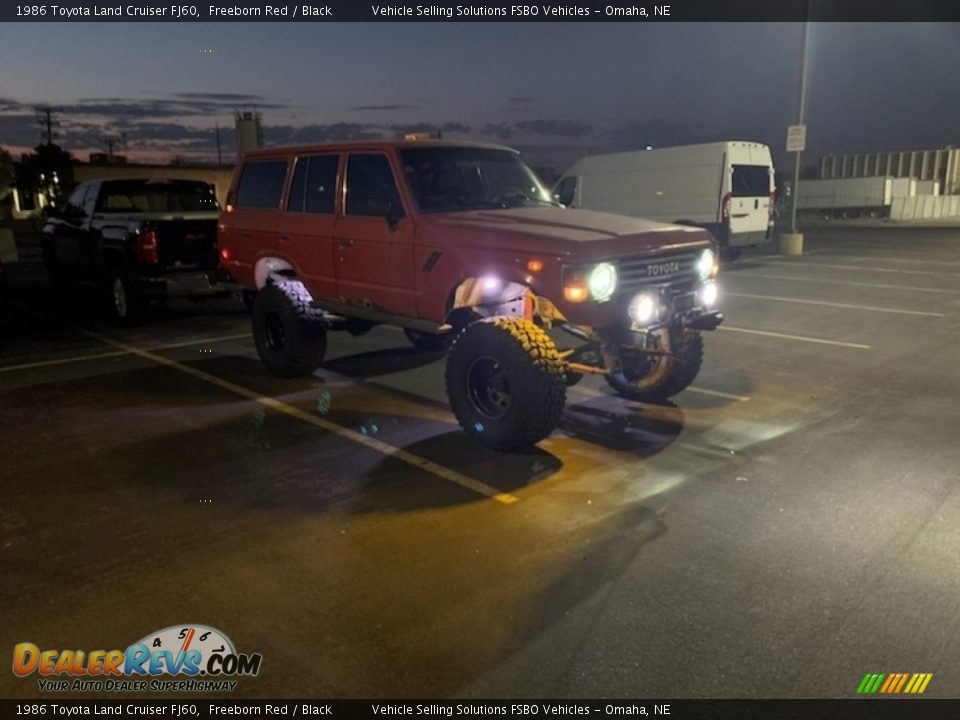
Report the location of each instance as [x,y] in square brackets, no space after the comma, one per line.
[346,310]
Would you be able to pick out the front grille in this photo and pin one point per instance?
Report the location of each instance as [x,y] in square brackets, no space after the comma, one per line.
[650,271]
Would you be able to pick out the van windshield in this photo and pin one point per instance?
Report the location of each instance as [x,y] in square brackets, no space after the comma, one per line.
[751,181]
[445,179]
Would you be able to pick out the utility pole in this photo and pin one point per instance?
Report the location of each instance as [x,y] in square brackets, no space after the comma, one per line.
[45,116]
[219,155]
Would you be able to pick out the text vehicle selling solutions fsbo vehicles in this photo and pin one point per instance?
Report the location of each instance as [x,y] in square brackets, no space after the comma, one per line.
[725,187]
[462,246]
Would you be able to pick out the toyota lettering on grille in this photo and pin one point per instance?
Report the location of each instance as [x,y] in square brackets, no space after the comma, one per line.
[663,268]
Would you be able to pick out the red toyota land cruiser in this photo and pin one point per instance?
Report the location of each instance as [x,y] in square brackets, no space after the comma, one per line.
[463,247]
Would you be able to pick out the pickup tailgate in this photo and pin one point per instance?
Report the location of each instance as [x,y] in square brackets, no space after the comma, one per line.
[187,243]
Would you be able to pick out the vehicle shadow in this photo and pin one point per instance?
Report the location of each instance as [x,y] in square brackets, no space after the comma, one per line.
[638,428]
[381,362]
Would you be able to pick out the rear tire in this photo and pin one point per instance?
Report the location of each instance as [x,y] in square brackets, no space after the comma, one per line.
[290,340]
[646,378]
[428,341]
[506,383]
[127,304]
[729,255]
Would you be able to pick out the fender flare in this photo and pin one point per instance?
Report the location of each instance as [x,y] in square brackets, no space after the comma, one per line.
[267,266]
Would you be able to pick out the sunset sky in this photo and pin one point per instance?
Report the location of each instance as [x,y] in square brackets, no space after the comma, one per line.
[557,91]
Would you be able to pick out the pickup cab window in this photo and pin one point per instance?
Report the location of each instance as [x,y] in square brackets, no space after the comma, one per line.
[156,196]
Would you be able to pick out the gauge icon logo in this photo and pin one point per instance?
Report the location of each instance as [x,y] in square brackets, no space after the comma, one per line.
[189,649]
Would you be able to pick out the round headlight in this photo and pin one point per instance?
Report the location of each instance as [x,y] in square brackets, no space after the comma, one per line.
[643,309]
[602,281]
[709,294]
[705,264]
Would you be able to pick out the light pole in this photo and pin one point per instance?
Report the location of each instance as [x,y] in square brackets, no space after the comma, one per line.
[792,243]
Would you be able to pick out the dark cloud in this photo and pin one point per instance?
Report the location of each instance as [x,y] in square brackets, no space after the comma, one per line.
[520,100]
[557,128]
[657,132]
[221,97]
[501,131]
[385,107]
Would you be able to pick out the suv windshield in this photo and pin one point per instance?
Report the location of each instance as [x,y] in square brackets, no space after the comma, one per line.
[468,178]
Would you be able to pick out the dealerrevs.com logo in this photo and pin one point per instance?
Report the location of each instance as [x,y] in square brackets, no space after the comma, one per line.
[204,656]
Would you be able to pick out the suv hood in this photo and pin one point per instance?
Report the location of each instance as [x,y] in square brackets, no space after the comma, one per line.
[585,234]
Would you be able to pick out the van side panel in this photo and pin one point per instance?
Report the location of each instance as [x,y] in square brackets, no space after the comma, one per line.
[686,184]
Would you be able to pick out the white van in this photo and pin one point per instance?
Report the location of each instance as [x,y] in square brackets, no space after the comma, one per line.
[725,187]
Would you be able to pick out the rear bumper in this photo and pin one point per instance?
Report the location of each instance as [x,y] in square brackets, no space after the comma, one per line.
[197,283]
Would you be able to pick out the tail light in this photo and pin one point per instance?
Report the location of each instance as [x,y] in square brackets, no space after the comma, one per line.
[773,199]
[147,247]
[224,254]
[725,208]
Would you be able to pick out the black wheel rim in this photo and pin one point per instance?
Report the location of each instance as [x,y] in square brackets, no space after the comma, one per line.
[274,332]
[488,388]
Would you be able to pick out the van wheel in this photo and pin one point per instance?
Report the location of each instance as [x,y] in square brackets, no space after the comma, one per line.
[290,341]
[506,383]
[729,255]
[428,341]
[651,378]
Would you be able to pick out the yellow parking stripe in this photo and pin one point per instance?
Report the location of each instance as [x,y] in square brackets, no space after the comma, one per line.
[380,446]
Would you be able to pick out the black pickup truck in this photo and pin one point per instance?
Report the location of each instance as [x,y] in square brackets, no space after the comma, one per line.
[141,240]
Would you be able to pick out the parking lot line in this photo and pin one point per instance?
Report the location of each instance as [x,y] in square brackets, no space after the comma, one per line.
[379,446]
[785,336]
[880,258]
[845,306]
[858,268]
[586,390]
[118,353]
[881,286]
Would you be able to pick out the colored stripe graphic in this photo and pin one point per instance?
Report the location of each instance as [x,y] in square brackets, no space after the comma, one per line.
[894,683]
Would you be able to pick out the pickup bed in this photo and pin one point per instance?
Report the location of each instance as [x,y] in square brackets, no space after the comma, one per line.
[141,240]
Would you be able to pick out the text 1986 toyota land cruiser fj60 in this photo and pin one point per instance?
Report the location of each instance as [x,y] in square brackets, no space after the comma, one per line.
[463,247]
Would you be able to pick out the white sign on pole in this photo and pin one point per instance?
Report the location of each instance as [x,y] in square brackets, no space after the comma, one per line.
[796,138]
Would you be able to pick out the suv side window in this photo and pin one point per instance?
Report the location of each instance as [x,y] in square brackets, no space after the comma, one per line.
[371,189]
[313,185]
[261,184]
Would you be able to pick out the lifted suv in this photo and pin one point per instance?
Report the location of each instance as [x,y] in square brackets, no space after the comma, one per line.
[462,246]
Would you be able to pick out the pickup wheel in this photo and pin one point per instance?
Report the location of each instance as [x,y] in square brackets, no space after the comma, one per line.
[127,303]
[428,341]
[290,342]
[647,378]
[506,383]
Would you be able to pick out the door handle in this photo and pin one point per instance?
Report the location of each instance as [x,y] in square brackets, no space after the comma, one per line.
[284,238]
[345,242]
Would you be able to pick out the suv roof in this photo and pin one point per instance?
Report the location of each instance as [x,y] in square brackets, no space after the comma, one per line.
[370,145]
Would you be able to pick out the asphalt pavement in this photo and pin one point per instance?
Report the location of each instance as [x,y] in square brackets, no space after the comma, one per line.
[786,525]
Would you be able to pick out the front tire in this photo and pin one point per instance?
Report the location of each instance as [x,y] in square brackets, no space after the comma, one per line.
[289,341]
[652,378]
[506,383]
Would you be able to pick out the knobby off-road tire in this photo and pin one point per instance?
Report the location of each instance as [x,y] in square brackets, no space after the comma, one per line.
[505,382]
[647,378]
[428,342]
[290,338]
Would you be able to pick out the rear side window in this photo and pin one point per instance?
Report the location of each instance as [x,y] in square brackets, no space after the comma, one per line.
[313,185]
[751,181]
[371,189]
[261,184]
